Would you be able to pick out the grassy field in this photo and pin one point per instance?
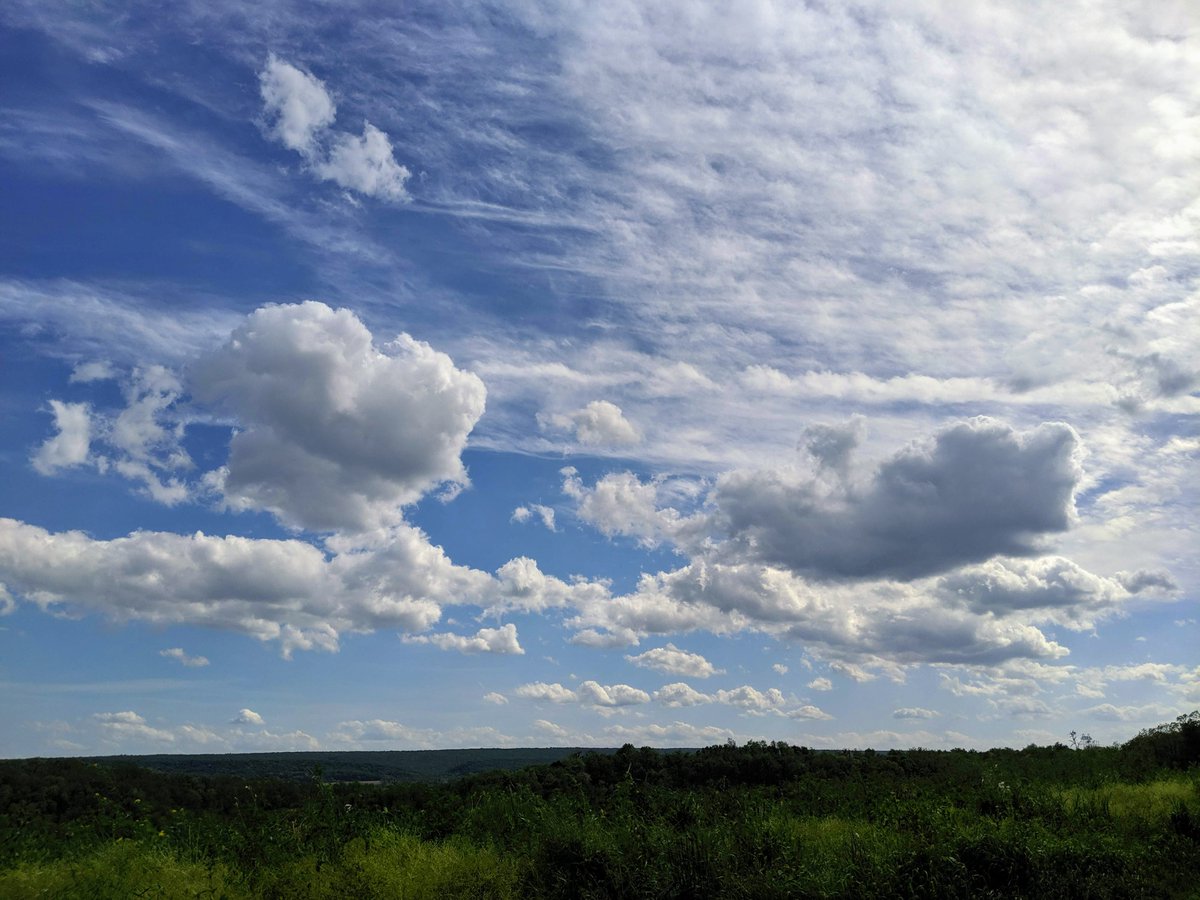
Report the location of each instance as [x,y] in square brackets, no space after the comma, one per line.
[761,820]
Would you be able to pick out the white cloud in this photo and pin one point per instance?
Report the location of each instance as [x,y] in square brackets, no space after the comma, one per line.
[486,640]
[97,370]
[281,590]
[820,684]
[70,446]
[523,514]
[178,654]
[622,504]
[600,423]
[746,698]
[128,725]
[779,669]
[302,113]
[495,697]
[298,103]
[247,717]
[913,712]
[554,693]
[675,661]
[365,164]
[336,432]
[589,693]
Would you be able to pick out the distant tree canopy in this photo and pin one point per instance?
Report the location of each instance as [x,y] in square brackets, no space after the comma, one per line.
[1174,744]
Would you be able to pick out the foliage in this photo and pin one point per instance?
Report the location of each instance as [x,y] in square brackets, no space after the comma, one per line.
[759,820]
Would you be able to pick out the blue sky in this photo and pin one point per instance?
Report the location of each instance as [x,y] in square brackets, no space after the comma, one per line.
[502,374]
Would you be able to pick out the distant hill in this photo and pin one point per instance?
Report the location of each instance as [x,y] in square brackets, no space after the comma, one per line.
[371,765]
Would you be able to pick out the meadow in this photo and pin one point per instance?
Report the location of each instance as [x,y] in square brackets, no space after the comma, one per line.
[759,820]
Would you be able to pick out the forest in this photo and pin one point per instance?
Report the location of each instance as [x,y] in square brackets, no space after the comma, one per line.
[759,820]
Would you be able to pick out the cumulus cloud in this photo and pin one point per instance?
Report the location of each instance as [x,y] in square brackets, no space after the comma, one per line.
[600,423]
[247,717]
[1053,585]
[979,489]
[675,661]
[281,590]
[297,104]
[589,693]
[620,503]
[70,446]
[487,640]
[495,697]
[746,698]
[365,164]
[336,432]
[524,514]
[178,654]
[820,684]
[301,112]
[779,669]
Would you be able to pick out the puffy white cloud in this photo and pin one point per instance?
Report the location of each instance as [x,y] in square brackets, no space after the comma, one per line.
[336,433]
[1051,586]
[779,669]
[746,698]
[247,717]
[486,640]
[600,423]
[365,164]
[128,725]
[621,503]
[495,697]
[178,654]
[675,661]
[521,585]
[302,113]
[820,684]
[523,514]
[298,104]
[70,446]
[282,590]
[554,693]
[594,694]
[978,490]
[589,693]
[680,694]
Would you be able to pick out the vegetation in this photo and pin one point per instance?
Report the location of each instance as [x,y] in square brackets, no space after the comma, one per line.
[760,820]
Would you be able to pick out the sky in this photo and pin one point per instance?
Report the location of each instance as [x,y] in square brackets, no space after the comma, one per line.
[422,375]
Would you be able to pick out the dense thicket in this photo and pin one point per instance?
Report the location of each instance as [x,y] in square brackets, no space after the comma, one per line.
[758,820]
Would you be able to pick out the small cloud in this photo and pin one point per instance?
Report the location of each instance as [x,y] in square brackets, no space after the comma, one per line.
[820,684]
[71,445]
[914,712]
[600,423]
[297,104]
[523,514]
[486,640]
[301,113]
[780,669]
[495,697]
[92,371]
[365,164]
[675,661]
[178,654]
[247,717]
